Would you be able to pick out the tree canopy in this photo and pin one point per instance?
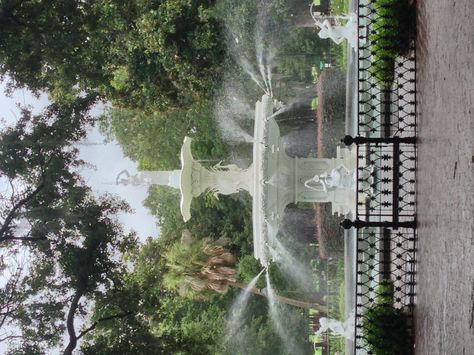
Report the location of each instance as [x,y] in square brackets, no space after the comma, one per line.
[141,135]
[135,53]
[73,236]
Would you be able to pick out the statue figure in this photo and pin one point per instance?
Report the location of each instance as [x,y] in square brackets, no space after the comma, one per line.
[339,177]
[134,180]
[320,184]
[336,327]
[337,33]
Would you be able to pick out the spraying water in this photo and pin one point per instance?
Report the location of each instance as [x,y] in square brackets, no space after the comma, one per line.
[302,98]
[256,61]
[236,49]
[232,112]
[276,316]
[231,131]
[260,44]
[289,265]
[236,318]
[248,68]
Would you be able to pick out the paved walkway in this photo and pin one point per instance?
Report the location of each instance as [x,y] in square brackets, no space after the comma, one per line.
[444,316]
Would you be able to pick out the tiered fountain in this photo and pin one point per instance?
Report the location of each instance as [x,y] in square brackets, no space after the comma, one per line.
[274,179]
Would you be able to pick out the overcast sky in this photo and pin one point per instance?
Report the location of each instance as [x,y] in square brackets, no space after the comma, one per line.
[108,160]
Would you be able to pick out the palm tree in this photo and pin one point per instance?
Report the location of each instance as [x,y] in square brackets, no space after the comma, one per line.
[198,268]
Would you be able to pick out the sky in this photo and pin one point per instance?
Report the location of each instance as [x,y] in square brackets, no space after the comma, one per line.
[108,160]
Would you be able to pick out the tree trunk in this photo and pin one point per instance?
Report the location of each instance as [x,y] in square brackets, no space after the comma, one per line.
[282,299]
[70,322]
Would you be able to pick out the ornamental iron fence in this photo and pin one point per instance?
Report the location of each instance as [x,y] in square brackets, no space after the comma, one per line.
[384,254]
[384,111]
[386,171]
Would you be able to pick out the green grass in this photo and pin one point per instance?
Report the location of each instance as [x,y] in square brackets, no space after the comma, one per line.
[339,7]
[337,344]
[342,58]
[336,284]
[342,299]
[336,304]
[314,74]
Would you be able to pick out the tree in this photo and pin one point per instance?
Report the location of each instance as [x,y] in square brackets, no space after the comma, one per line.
[159,322]
[195,269]
[39,164]
[154,139]
[12,294]
[74,265]
[228,216]
[135,53]
[130,333]
[73,237]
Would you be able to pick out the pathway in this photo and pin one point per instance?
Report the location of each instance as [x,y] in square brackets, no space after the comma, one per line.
[444,316]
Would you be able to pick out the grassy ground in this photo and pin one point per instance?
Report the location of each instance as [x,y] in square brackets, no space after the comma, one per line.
[339,7]
[334,271]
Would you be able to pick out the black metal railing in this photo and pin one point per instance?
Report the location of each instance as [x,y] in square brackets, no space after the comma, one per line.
[384,254]
[382,111]
[386,176]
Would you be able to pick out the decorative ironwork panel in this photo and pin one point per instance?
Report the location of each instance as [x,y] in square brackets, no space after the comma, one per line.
[386,176]
[384,110]
[384,254]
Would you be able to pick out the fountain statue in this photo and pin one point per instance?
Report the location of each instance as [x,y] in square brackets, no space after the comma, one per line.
[335,327]
[273,179]
[168,178]
[336,32]
[339,177]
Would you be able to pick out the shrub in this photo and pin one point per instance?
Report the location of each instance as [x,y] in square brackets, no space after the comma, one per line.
[389,38]
[384,326]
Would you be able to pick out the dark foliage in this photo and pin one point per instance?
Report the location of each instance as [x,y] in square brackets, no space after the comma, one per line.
[384,326]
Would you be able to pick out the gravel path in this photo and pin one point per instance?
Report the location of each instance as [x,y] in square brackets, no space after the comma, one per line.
[444,316]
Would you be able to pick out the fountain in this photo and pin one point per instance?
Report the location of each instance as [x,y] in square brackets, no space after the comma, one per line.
[273,179]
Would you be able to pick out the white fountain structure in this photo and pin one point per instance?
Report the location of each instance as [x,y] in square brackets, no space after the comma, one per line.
[274,179]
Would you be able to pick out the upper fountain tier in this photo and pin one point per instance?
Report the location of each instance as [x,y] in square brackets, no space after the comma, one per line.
[272,179]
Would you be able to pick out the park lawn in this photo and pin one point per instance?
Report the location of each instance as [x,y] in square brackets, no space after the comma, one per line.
[336,305]
[339,7]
